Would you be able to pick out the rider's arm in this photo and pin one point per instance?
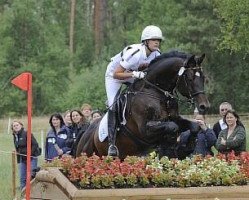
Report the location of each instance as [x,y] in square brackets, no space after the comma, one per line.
[121,73]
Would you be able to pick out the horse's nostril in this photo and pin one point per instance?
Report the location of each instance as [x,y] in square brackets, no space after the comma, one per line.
[202,107]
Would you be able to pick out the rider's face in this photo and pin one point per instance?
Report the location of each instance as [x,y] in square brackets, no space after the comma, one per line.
[154,44]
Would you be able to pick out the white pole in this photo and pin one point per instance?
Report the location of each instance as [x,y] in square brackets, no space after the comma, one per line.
[42,142]
[9,125]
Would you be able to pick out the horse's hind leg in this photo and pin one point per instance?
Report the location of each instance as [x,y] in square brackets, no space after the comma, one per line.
[85,144]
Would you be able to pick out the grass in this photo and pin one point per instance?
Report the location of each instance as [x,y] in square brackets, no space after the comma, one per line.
[40,127]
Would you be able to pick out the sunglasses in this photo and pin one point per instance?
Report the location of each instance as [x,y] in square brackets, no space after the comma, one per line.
[223,109]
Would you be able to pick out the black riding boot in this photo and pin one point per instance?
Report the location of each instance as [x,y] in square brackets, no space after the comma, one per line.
[112,150]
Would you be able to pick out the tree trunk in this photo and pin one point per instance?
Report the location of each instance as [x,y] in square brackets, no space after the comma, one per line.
[99,22]
[71,32]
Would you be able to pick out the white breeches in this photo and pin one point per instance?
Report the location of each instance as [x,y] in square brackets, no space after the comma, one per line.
[112,86]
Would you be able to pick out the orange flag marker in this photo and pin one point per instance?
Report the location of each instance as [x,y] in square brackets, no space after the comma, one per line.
[24,82]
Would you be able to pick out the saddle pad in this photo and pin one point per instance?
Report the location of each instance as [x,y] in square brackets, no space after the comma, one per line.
[103,128]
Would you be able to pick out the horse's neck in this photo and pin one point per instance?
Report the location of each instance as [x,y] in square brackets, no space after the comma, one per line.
[169,83]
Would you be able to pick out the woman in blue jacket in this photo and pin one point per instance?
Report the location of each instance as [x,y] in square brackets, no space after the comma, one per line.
[56,140]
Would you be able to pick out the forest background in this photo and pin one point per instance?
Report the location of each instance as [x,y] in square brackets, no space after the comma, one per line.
[67,45]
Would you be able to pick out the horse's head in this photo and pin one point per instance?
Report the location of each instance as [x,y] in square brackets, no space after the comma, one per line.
[182,72]
[191,82]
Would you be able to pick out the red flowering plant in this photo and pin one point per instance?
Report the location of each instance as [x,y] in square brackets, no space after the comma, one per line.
[244,161]
[106,172]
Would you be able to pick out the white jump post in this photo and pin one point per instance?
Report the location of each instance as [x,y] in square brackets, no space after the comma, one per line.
[42,142]
[9,126]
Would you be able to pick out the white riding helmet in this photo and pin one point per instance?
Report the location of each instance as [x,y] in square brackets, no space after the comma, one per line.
[151,32]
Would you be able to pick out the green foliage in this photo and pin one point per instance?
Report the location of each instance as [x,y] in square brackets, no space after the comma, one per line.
[35,37]
[234,24]
[30,45]
[87,87]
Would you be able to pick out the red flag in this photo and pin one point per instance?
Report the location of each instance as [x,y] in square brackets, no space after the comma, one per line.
[22,81]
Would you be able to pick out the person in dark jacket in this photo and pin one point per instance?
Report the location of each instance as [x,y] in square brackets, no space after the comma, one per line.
[20,142]
[80,125]
[68,121]
[96,114]
[221,125]
[56,140]
[233,138]
[204,141]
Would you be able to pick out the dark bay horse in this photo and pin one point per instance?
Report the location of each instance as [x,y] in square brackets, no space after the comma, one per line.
[151,106]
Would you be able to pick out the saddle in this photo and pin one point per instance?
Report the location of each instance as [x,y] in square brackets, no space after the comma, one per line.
[120,105]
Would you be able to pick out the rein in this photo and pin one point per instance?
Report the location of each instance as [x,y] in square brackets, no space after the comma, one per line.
[165,92]
[168,94]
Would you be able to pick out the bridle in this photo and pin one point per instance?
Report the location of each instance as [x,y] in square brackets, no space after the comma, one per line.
[174,93]
[190,94]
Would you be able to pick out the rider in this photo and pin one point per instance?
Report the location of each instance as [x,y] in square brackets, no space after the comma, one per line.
[124,67]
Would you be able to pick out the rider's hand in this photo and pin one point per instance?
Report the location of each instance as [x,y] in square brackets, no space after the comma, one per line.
[138,75]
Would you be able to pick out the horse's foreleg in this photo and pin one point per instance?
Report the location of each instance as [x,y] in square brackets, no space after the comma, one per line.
[161,128]
[168,132]
[185,124]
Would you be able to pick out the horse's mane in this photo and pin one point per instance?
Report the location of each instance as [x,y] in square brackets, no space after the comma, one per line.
[171,54]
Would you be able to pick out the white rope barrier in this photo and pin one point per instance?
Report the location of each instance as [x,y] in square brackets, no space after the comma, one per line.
[10,152]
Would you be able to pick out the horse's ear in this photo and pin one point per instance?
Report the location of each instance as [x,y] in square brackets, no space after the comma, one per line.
[200,59]
[191,61]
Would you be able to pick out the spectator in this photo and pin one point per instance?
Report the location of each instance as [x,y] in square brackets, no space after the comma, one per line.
[68,121]
[86,110]
[221,125]
[96,114]
[202,144]
[233,137]
[20,142]
[80,124]
[56,140]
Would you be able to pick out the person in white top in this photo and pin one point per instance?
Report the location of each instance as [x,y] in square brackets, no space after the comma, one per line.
[125,67]
[221,125]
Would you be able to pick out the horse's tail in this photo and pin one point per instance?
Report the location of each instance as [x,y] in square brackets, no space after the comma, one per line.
[86,143]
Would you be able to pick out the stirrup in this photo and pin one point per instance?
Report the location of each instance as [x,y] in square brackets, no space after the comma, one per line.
[113,151]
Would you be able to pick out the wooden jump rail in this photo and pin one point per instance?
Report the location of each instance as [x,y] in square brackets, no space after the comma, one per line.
[52,184]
